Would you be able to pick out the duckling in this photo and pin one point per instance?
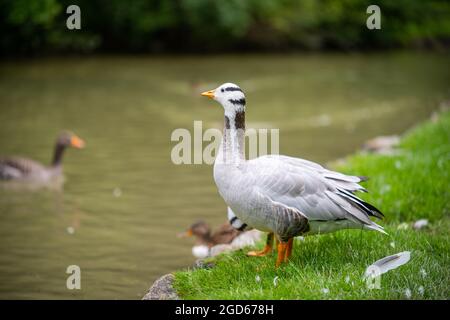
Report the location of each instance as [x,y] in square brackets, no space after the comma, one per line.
[205,240]
[225,238]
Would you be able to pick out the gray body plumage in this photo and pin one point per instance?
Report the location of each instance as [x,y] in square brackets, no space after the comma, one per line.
[17,168]
[291,196]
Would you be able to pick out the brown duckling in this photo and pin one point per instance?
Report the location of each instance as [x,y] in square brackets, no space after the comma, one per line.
[205,239]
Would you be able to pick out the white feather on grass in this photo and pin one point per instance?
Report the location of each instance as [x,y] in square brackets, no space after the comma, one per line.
[419,224]
[388,263]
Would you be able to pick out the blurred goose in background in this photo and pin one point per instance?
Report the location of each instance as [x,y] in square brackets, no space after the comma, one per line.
[282,195]
[24,169]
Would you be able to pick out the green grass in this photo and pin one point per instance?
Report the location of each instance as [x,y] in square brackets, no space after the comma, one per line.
[411,185]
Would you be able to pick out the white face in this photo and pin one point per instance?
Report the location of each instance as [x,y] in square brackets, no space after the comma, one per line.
[230,97]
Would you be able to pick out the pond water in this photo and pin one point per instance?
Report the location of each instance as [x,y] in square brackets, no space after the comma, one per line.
[124,201]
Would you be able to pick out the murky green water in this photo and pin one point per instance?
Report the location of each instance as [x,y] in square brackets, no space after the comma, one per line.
[326,106]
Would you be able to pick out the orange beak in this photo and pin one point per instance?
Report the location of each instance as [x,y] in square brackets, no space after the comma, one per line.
[209,94]
[76,142]
[185,234]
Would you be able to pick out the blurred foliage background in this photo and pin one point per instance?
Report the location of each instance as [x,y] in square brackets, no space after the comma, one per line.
[39,26]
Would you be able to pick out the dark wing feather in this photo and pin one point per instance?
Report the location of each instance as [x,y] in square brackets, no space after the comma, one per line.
[15,167]
[366,207]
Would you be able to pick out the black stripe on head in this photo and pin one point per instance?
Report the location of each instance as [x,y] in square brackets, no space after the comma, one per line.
[233,89]
[232,220]
[237,101]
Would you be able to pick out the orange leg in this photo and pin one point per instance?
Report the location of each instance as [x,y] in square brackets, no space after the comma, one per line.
[282,246]
[267,248]
[289,249]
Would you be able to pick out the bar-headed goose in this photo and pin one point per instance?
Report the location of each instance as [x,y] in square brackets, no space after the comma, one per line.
[27,170]
[282,195]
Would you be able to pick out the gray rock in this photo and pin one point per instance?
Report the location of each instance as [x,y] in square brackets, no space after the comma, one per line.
[382,145]
[202,264]
[162,289]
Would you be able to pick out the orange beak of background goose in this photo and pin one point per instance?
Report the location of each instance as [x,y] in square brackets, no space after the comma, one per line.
[76,142]
[209,94]
[186,234]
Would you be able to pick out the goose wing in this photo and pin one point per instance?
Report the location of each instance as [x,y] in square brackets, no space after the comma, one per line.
[15,167]
[318,193]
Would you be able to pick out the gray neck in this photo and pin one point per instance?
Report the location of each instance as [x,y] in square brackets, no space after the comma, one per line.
[232,148]
[58,155]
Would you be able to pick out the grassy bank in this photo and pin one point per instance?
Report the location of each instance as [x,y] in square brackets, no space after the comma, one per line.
[407,186]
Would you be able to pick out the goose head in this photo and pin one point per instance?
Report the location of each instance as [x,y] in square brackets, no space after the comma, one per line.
[199,230]
[68,139]
[64,140]
[230,96]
